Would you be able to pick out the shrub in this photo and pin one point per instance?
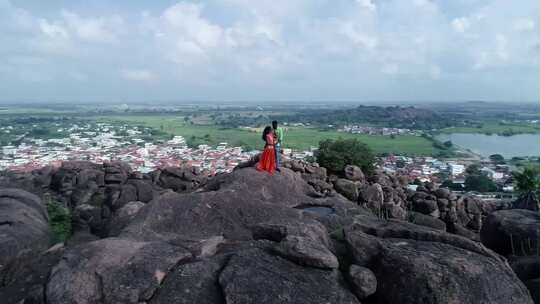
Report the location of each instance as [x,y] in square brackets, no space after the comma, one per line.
[334,155]
[59,221]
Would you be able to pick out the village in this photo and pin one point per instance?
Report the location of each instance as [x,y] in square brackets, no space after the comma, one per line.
[104,142]
[369,130]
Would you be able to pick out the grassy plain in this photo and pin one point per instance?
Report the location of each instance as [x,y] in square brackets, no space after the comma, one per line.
[301,138]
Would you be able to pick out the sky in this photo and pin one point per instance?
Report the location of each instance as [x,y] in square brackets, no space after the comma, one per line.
[269,50]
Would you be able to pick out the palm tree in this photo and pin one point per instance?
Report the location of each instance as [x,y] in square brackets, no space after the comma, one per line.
[528,185]
[527,181]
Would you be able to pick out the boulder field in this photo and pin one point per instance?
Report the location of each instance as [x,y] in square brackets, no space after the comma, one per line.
[251,237]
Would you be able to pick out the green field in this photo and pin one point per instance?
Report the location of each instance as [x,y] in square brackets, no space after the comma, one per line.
[496,128]
[297,138]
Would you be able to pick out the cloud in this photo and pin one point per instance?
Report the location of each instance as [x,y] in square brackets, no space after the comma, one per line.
[267,49]
[101,29]
[138,75]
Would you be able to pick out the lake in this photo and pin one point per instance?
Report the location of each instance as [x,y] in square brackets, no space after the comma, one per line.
[486,145]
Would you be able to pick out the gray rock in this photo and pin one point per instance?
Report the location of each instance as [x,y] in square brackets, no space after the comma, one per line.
[124,216]
[307,251]
[426,220]
[429,272]
[363,280]
[112,271]
[257,277]
[347,188]
[354,173]
[24,231]
[192,283]
[372,196]
[512,232]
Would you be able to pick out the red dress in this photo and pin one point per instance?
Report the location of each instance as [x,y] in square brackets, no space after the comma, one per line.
[267,161]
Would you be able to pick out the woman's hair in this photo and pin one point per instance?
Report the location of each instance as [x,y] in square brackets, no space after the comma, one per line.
[266,131]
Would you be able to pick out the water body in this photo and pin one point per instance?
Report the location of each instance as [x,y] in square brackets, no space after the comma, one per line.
[486,145]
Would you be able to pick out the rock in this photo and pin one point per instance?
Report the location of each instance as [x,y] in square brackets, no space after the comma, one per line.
[534,289]
[457,229]
[363,247]
[528,201]
[426,220]
[429,272]
[347,188]
[28,283]
[307,251]
[182,179]
[112,271]
[526,267]
[192,283]
[372,196]
[443,193]
[24,231]
[128,193]
[124,216]
[394,211]
[257,277]
[512,232]
[354,174]
[145,191]
[363,280]
[428,207]
[316,172]
[404,230]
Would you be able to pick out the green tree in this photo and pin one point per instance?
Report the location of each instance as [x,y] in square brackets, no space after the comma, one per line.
[527,180]
[473,169]
[334,155]
[448,144]
[480,183]
[497,158]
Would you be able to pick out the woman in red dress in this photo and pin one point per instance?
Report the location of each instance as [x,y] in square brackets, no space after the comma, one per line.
[267,161]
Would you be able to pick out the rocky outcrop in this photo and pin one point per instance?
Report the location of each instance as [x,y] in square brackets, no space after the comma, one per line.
[24,231]
[528,201]
[112,270]
[415,264]
[251,237]
[512,232]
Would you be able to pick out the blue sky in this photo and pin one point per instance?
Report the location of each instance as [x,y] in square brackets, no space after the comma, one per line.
[264,50]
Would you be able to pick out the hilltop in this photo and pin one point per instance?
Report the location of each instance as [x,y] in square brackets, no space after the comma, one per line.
[300,236]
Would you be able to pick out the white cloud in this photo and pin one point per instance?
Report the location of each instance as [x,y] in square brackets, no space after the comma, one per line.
[138,75]
[461,25]
[367,4]
[524,24]
[273,44]
[100,29]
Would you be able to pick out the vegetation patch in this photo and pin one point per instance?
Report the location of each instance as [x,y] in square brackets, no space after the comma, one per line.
[59,221]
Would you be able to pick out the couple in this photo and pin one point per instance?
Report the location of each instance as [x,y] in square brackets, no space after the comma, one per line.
[270,158]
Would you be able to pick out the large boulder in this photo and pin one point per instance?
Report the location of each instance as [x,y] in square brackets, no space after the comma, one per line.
[29,280]
[372,196]
[193,283]
[414,264]
[24,230]
[112,271]
[354,173]
[514,232]
[347,188]
[257,277]
[427,272]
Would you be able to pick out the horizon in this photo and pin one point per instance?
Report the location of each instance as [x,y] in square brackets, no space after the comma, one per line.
[351,51]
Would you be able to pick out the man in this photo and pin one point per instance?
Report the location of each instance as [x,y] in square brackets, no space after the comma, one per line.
[278,133]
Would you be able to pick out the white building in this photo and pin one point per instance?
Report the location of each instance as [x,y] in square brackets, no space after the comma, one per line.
[456,169]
